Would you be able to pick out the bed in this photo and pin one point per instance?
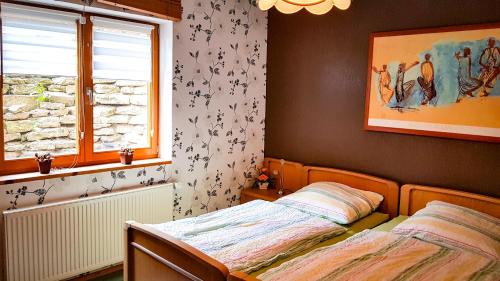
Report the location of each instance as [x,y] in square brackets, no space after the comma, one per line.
[151,254]
[351,258]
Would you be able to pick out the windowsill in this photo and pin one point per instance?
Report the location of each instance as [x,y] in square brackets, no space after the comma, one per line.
[16,178]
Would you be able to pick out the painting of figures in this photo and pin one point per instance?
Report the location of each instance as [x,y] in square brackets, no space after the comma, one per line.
[436,82]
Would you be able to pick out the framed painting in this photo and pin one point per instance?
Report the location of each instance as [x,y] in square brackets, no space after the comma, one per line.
[437,82]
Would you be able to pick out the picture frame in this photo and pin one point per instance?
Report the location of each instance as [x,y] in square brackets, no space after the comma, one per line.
[439,82]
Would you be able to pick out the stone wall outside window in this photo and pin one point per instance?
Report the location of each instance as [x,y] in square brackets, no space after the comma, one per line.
[40,115]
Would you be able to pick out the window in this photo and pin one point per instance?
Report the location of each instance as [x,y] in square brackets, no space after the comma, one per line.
[122,76]
[39,77]
[77,85]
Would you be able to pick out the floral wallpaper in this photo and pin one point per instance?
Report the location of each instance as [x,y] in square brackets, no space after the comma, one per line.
[218,116]
[26,194]
[218,102]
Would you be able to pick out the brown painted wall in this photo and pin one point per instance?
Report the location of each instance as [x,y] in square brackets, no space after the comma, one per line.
[316,88]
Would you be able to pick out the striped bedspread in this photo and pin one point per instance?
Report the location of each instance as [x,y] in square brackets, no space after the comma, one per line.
[376,255]
[249,236]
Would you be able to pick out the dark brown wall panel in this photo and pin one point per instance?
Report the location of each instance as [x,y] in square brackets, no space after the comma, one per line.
[316,89]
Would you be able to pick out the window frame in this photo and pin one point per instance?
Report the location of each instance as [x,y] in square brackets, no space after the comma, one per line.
[86,155]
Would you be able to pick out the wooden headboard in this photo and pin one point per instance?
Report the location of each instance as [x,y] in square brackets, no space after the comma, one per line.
[415,197]
[291,170]
[298,176]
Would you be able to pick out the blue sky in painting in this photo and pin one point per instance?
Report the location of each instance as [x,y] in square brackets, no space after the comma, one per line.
[445,68]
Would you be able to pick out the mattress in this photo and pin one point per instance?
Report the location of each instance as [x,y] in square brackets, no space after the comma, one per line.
[367,222]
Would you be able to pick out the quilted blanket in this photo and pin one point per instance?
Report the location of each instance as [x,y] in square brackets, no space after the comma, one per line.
[252,235]
[376,255]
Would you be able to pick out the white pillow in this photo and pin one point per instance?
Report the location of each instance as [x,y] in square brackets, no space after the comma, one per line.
[335,201]
[454,226]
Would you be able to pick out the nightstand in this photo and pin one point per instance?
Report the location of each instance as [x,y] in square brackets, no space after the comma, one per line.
[249,194]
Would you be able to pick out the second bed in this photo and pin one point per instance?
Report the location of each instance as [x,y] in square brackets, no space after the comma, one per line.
[441,234]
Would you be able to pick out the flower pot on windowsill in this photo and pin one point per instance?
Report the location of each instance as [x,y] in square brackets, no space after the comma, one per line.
[44,163]
[126,159]
[44,167]
[126,156]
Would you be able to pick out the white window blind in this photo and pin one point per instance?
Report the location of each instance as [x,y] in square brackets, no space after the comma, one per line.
[38,41]
[121,50]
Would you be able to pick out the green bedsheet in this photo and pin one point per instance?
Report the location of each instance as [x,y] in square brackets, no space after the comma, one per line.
[388,226]
[367,222]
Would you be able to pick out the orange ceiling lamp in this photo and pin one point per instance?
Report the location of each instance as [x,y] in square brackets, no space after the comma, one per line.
[317,7]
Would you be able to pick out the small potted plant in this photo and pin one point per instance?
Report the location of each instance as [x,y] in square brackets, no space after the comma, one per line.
[263,180]
[126,156]
[44,162]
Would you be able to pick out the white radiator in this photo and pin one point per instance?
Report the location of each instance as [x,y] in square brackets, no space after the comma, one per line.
[62,240]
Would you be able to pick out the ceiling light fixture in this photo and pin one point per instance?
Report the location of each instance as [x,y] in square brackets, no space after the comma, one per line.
[317,7]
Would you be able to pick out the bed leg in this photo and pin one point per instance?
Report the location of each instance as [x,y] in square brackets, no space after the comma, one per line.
[126,251]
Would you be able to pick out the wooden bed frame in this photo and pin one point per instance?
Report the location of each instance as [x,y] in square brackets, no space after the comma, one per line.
[292,171]
[415,197]
[154,255]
